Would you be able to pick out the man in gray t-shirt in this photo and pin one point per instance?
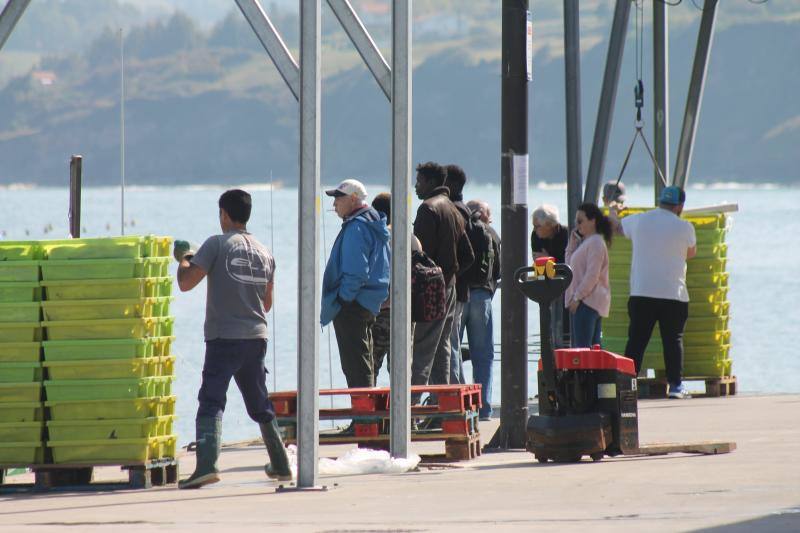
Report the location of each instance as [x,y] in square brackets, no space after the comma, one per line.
[240,272]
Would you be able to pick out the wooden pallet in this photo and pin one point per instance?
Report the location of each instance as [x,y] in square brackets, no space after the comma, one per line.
[78,476]
[657,388]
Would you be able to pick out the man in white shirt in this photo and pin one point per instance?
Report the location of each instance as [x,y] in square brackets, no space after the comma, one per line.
[662,242]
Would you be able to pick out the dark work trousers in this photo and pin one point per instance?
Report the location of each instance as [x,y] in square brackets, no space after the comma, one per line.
[242,360]
[671,316]
[353,327]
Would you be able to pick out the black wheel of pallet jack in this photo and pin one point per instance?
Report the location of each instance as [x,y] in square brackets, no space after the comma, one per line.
[542,458]
[596,456]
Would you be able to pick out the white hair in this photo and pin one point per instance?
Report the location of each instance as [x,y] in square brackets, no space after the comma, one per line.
[545,214]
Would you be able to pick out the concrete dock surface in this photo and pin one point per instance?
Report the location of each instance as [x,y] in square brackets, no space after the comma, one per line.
[754,488]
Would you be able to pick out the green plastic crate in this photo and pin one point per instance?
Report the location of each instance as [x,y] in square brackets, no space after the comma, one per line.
[21,453]
[107,389]
[20,392]
[708,368]
[20,312]
[20,291]
[106,450]
[19,271]
[20,372]
[139,367]
[117,328]
[102,289]
[20,352]
[21,412]
[120,428]
[159,246]
[20,250]
[77,269]
[129,247]
[21,431]
[77,350]
[111,409]
[105,309]
[709,221]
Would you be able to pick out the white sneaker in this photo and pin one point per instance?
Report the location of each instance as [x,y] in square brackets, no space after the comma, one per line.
[679,393]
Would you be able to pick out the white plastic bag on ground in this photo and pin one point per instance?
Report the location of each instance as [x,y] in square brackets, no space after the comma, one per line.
[358,461]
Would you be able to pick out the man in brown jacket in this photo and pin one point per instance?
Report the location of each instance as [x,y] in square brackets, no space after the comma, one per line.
[440,229]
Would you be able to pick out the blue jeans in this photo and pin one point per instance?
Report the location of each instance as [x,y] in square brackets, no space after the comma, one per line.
[242,360]
[456,334]
[586,325]
[477,320]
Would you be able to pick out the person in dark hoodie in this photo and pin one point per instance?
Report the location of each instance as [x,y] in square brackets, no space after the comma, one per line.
[440,229]
[356,280]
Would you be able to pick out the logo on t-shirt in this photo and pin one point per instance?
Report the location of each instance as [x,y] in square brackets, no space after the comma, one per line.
[247,264]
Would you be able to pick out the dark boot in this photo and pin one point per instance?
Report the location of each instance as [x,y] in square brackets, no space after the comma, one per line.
[209,432]
[278,467]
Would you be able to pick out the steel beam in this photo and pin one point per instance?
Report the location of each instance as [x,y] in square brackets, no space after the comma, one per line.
[691,115]
[572,96]
[363,42]
[9,18]
[308,292]
[400,334]
[608,96]
[514,223]
[272,43]
[660,93]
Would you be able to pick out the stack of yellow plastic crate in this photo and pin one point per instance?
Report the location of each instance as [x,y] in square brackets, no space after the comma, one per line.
[707,337]
[107,359]
[21,420]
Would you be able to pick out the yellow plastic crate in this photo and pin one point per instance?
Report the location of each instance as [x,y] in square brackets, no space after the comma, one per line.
[138,367]
[15,332]
[77,269]
[20,291]
[105,309]
[21,453]
[159,246]
[21,412]
[76,350]
[21,431]
[117,328]
[20,250]
[20,392]
[20,352]
[106,451]
[707,368]
[106,289]
[121,428]
[20,312]
[20,372]
[19,271]
[129,247]
[111,409]
[107,389]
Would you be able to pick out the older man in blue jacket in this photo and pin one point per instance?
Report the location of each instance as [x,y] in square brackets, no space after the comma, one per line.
[356,280]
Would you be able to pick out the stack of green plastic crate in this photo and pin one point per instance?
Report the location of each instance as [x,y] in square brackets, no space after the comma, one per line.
[21,420]
[707,337]
[107,358]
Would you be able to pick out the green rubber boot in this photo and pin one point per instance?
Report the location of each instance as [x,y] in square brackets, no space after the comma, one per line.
[278,466]
[209,432]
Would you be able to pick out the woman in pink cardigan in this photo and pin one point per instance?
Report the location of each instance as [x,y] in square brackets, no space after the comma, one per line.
[588,297]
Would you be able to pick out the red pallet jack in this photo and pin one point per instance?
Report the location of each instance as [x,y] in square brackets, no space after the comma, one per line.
[587,397]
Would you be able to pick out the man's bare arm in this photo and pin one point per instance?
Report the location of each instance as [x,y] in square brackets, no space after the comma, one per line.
[189,275]
[268,296]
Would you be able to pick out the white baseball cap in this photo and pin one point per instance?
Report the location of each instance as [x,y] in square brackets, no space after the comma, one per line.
[348,187]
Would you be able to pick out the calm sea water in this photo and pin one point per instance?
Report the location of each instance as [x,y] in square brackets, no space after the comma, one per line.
[763,255]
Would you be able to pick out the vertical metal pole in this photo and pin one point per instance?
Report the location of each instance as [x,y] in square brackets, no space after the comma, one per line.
[572,90]
[514,220]
[308,237]
[400,335]
[9,18]
[660,93]
[695,97]
[75,173]
[608,95]
[122,131]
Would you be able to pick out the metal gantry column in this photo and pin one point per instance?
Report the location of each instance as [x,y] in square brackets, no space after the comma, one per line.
[660,93]
[572,97]
[308,297]
[608,96]
[9,18]
[514,221]
[400,334]
[695,97]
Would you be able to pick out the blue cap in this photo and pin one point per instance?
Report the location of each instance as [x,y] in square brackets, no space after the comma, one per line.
[672,195]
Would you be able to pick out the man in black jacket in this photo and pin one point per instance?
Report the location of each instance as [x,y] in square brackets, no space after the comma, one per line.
[439,228]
